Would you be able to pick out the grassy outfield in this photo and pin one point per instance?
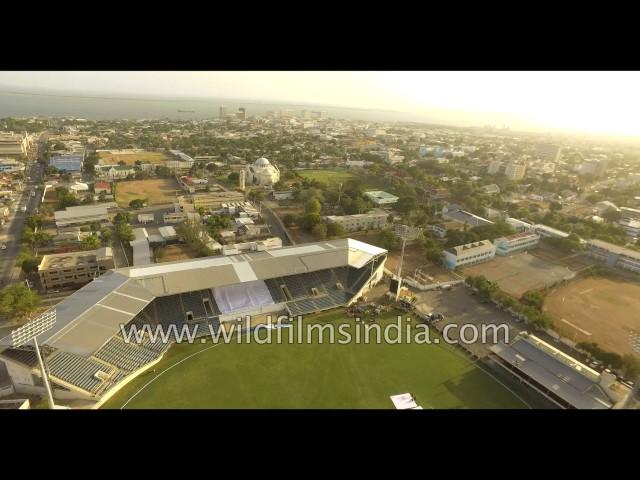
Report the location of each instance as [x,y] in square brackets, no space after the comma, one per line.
[327,176]
[313,375]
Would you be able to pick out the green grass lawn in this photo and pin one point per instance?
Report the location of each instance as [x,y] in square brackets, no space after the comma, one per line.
[314,375]
[327,176]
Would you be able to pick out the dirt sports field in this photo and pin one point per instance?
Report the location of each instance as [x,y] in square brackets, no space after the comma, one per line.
[157,191]
[108,158]
[599,309]
[519,273]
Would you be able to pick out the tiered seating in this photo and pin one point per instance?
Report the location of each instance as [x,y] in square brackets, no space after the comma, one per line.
[78,371]
[274,289]
[169,311]
[127,356]
[192,302]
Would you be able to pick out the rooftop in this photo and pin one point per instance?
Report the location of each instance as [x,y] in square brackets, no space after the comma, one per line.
[617,249]
[91,315]
[567,378]
[73,259]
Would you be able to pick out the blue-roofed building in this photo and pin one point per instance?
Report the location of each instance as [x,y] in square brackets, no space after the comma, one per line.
[68,162]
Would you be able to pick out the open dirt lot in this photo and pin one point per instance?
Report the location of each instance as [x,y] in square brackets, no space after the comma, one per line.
[176,252]
[520,273]
[599,309]
[157,191]
[108,158]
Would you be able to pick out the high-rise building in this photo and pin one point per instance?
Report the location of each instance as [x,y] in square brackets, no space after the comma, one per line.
[242,113]
[494,167]
[515,171]
[222,111]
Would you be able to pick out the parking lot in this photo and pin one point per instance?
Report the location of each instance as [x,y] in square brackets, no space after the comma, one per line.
[460,307]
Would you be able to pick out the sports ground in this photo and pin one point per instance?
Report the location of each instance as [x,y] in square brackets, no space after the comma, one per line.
[519,273]
[156,191]
[108,158]
[327,176]
[601,309]
[314,375]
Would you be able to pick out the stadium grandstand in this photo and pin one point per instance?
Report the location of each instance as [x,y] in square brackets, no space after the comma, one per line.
[89,360]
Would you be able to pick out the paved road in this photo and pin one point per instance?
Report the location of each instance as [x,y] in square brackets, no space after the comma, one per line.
[275,226]
[12,230]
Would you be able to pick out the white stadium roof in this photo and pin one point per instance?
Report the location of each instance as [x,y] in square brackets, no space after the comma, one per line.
[90,316]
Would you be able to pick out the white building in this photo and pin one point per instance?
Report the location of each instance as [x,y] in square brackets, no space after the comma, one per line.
[262,172]
[519,225]
[373,220]
[257,246]
[631,227]
[494,167]
[516,243]
[614,255]
[515,171]
[469,254]
[381,198]
[545,231]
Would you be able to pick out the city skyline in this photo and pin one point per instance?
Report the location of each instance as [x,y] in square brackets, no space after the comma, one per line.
[566,102]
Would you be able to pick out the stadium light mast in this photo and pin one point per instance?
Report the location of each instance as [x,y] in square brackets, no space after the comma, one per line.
[401,231]
[29,332]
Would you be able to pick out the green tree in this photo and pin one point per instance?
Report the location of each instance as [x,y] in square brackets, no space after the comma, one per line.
[313,206]
[319,231]
[335,229]
[388,240]
[137,203]
[105,235]
[91,242]
[17,300]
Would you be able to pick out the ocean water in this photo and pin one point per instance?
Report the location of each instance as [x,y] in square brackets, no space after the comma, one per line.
[93,107]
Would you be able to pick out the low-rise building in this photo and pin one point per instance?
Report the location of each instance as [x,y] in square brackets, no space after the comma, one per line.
[614,256]
[114,171]
[631,227]
[74,268]
[208,201]
[469,254]
[141,247]
[146,217]
[379,197]
[257,246]
[373,220]
[519,225]
[178,217]
[630,213]
[83,214]
[102,187]
[453,212]
[517,242]
[67,162]
[546,231]
[283,195]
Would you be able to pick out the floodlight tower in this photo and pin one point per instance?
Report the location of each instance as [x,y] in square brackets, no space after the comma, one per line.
[401,231]
[30,331]
[634,395]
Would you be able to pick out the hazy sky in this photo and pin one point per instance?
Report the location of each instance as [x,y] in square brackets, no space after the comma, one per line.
[603,102]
